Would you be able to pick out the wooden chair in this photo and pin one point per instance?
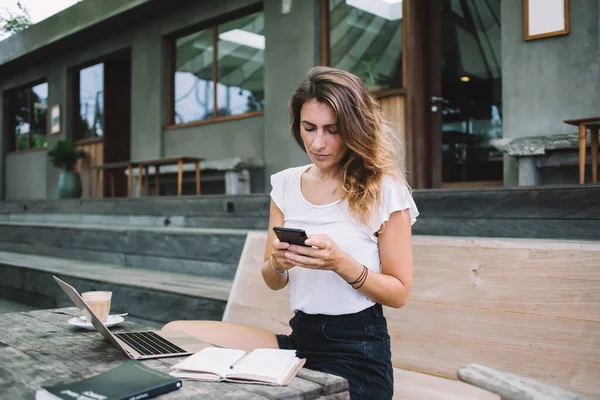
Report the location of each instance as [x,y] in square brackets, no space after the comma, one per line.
[583,124]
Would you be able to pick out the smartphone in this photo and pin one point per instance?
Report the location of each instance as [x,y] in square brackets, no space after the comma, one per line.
[290,235]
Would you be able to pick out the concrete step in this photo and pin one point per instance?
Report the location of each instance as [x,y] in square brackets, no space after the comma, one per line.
[196,251]
[206,205]
[190,221]
[152,296]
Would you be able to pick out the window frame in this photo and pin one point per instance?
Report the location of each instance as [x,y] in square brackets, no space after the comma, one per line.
[325,50]
[12,140]
[171,49]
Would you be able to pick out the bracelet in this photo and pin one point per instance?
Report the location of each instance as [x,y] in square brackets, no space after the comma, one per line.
[361,279]
[364,280]
[275,269]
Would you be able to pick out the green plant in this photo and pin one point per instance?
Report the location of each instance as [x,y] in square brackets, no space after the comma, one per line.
[63,155]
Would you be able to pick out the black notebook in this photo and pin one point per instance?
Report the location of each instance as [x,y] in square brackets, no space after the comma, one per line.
[128,381]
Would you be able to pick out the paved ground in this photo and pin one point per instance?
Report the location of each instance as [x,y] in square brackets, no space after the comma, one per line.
[11,306]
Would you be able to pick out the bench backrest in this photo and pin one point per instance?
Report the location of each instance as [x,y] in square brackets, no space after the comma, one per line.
[531,307]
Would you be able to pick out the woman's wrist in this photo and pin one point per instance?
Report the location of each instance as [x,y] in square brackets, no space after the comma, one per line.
[348,268]
[276,267]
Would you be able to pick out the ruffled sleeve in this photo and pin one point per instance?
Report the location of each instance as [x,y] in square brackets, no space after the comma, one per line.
[396,197]
[277,189]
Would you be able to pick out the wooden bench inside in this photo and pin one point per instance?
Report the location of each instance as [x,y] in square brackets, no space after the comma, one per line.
[530,307]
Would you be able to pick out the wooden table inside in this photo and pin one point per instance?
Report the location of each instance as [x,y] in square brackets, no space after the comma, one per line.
[39,348]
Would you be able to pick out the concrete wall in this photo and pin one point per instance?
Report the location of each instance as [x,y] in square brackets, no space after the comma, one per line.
[26,175]
[546,81]
[291,50]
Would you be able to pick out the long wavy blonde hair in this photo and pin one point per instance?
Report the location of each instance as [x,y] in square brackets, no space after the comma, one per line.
[373,148]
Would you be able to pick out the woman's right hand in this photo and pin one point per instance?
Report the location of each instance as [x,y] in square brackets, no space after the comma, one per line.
[280,261]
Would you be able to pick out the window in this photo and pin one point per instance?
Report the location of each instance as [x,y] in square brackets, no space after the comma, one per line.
[219,71]
[28,117]
[365,38]
[90,121]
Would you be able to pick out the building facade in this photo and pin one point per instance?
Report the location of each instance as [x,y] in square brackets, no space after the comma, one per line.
[145,79]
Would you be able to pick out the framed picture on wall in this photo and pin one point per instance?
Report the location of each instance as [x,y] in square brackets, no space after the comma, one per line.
[545,18]
[55,119]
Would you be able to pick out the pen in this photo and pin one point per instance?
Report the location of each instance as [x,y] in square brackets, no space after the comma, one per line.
[238,360]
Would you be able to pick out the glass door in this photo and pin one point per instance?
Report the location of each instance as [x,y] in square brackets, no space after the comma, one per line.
[466,98]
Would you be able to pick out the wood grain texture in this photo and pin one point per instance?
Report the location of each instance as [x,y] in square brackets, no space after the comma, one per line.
[40,348]
[511,386]
[538,280]
[410,385]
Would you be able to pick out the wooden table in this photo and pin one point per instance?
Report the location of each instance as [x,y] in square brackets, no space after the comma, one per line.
[110,168]
[583,124]
[40,348]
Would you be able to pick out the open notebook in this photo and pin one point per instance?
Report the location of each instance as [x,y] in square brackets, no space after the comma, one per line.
[265,366]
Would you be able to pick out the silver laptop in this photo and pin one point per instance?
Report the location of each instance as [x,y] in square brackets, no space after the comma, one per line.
[143,344]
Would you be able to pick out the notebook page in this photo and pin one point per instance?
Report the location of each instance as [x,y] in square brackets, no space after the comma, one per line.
[211,359]
[271,365]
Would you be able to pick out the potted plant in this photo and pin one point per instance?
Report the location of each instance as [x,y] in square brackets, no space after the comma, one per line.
[64,156]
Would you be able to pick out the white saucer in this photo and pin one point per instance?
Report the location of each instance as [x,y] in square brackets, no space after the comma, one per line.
[81,322]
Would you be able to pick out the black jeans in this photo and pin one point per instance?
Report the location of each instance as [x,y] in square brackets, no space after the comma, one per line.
[353,346]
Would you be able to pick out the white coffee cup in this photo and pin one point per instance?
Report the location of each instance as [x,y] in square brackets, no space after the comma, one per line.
[99,303]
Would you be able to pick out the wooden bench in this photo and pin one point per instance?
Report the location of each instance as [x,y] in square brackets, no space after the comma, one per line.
[583,124]
[234,171]
[531,307]
[143,169]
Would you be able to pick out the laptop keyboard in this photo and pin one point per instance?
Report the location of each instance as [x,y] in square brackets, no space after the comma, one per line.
[149,343]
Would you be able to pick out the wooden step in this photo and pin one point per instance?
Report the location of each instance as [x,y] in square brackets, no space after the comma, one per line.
[151,295]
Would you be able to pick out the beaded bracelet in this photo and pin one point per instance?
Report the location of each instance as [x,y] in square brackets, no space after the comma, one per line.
[275,269]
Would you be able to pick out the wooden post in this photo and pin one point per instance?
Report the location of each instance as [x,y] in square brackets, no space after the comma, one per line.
[157,179]
[198,178]
[594,132]
[179,177]
[147,178]
[129,178]
[582,143]
[96,181]
[140,178]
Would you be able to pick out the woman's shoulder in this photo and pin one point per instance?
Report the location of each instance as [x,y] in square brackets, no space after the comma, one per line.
[395,196]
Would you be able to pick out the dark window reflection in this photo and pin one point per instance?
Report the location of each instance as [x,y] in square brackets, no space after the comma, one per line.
[471,88]
[365,38]
[29,122]
[90,123]
[240,65]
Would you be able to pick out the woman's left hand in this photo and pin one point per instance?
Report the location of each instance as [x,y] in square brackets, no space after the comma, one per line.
[322,253]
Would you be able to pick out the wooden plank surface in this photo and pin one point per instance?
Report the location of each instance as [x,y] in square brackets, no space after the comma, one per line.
[40,348]
[410,385]
[511,386]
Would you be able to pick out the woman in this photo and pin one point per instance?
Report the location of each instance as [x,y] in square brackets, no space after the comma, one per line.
[357,210]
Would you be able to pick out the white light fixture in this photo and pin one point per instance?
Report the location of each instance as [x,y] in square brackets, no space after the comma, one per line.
[245,38]
[388,9]
[465,79]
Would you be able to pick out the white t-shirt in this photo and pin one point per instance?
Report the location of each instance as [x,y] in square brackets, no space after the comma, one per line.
[325,292]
